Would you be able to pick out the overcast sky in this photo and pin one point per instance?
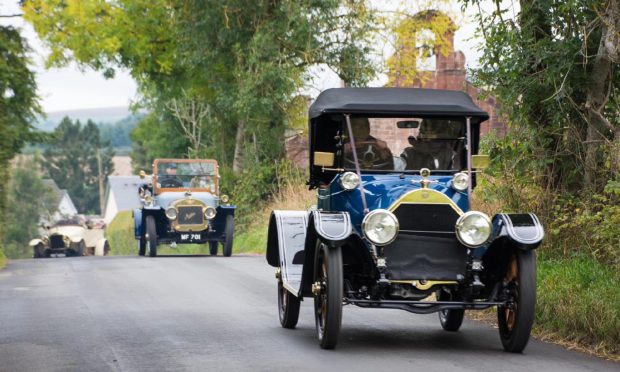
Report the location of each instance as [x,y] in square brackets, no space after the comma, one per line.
[70,88]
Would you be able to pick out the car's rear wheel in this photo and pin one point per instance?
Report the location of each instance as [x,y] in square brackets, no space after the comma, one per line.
[450,319]
[81,249]
[106,248]
[327,290]
[516,318]
[229,230]
[288,307]
[213,248]
[151,236]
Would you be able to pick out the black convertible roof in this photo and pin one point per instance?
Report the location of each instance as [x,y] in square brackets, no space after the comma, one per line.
[399,101]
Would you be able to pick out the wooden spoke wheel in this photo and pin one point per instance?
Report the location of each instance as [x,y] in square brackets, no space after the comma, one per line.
[328,294]
[288,307]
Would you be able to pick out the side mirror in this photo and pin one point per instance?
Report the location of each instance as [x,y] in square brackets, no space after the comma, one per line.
[142,175]
[323,159]
[480,161]
[408,124]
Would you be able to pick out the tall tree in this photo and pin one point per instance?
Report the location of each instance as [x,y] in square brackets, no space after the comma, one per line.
[18,104]
[28,200]
[245,60]
[71,161]
[554,68]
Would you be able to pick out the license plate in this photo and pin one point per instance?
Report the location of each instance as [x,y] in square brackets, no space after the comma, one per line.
[190,237]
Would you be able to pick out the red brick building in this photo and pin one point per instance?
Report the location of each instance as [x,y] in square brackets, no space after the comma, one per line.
[449,73]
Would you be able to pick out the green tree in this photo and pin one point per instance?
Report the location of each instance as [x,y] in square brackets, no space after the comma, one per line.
[554,69]
[18,104]
[71,161]
[243,60]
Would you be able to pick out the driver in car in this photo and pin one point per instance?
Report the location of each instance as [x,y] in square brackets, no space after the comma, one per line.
[170,179]
[372,153]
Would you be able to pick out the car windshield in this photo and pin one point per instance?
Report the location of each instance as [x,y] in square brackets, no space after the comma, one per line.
[405,144]
[194,175]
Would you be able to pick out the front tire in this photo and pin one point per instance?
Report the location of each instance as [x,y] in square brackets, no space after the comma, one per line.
[450,319]
[229,230]
[288,307]
[81,249]
[515,320]
[38,251]
[151,236]
[328,301]
[213,248]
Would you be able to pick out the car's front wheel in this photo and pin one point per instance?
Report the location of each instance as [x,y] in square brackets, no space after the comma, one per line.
[38,251]
[288,307]
[450,319]
[327,289]
[213,248]
[151,236]
[229,230]
[81,249]
[516,318]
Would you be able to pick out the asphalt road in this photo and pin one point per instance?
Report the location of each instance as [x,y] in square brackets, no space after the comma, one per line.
[215,313]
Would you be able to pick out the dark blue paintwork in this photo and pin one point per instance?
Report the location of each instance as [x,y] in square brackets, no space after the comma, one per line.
[381,191]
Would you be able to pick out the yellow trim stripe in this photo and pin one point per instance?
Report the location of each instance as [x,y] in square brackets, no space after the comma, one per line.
[425,196]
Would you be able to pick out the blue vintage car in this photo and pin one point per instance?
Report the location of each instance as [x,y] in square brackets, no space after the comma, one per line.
[394,170]
[182,205]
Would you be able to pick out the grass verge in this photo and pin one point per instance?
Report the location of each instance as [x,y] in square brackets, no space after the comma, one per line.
[2,259]
[579,305]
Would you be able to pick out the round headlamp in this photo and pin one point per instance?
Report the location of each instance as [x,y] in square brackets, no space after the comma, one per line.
[224,198]
[380,227]
[171,213]
[66,240]
[349,181]
[210,213]
[148,200]
[460,181]
[473,229]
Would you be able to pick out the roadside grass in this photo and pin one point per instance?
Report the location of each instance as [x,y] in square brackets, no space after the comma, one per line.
[253,237]
[579,304]
[2,259]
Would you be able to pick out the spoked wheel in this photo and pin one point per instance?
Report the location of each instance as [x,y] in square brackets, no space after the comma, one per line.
[106,248]
[38,251]
[327,289]
[81,249]
[516,318]
[151,236]
[288,307]
[450,319]
[213,248]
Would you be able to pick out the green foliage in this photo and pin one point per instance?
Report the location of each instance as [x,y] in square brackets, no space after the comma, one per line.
[118,134]
[578,299]
[18,106]
[71,161]
[544,68]
[28,200]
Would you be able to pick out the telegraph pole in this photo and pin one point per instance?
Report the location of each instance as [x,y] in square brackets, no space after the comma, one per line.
[101,191]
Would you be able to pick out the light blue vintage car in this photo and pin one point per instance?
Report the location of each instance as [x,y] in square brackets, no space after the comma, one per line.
[183,205]
[394,170]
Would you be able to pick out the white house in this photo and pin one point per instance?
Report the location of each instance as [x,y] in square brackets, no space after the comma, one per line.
[122,195]
[64,205]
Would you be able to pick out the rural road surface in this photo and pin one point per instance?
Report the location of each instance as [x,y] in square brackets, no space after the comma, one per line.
[215,313]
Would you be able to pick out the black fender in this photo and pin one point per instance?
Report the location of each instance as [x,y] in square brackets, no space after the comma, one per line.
[511,232]
[332,229]
[523,231]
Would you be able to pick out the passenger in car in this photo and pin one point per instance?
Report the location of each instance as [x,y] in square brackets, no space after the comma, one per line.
[372,153]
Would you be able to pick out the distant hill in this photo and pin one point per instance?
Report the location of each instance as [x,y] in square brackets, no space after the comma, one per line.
[98,115]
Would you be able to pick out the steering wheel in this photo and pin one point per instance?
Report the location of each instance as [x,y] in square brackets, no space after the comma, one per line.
[171,183]
[369,157]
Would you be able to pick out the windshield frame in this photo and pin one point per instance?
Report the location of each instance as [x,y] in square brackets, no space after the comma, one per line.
[158,190]
[463,138]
